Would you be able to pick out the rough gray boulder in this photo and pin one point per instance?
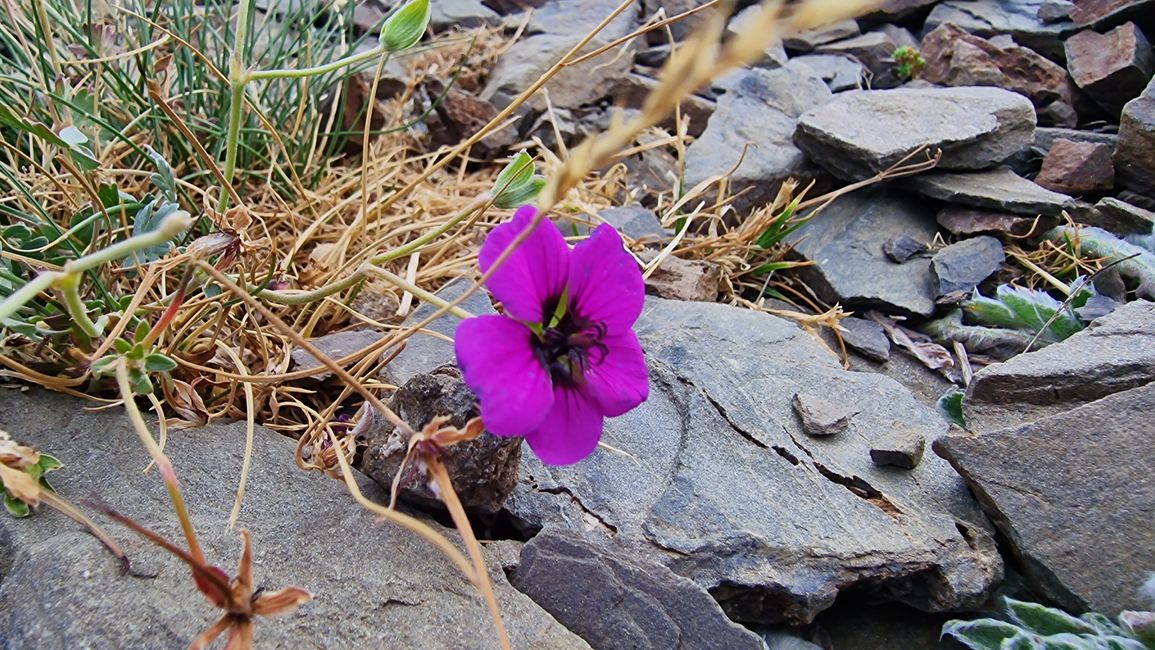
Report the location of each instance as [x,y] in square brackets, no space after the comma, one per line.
[860,133]
[714,478]
[754,123]
[614,600]
[1073,495]
[845,242]
[963,265]
[1020,19]
[374,585]
[995,189]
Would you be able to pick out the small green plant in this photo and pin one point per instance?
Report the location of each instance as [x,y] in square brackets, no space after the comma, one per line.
[1013,320]
[908,62]
[1030,626]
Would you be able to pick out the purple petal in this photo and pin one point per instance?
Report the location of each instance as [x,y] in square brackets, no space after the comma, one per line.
[501,368]
[605,283]
[618,380]
[535,274]
[570,431]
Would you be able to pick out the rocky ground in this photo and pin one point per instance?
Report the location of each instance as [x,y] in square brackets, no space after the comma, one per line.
[767,494]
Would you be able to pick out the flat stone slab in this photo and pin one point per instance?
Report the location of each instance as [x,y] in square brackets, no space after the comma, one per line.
[862,132]
[1073,495]
[996,189]
[373,584]
[846,243]
[714,478]
[1115,353]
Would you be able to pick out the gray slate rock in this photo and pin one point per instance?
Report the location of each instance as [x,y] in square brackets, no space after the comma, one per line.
[902,449]
[580,17]
[996,189]
[865,337]
[1115,353]
[464,14]
[840,72]
[861,133]
[875,50]
[820,417]
[1073,496]
[719,483]
[1018,18]
[379,585]
[334,346]
[903,248]
[756,118]
[1046,136]
[433,347]
[806,41]
[524,62]
[613,599]
[963,265]
[633,221]
[845,242]
[774,55]
[1122,218]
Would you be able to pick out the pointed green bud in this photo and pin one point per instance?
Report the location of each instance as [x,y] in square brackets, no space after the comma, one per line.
[406,26]
[517,184]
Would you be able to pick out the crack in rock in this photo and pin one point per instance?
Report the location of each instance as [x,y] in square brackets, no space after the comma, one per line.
[860,488]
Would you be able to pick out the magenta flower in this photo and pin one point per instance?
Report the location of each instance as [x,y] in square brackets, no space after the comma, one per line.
[564,357]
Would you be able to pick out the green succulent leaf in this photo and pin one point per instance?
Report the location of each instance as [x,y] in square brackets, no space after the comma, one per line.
[163,179]
[157,362]
[14,506]
[76,142]
[951,404]
[1044,620]
[981,634]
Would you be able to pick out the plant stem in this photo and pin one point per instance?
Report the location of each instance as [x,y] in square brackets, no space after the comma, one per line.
[162,462]
[238,78]
[333,66]
[424,295]
[69,286]
[407,249]
[306,297]
[169,228]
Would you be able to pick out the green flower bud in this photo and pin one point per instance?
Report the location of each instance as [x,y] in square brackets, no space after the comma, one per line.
[406,26]
[517,184]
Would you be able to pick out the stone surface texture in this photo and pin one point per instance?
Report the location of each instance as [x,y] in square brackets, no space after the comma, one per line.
[996,189]
[956,58]
[1122,218]
[1077,168]
[845,242]
[1112,68]
[1018,18]
[615,600]
[754,123]
[1073,495]
[433,347]
[1135,153]
[1114,353]
[715,479]
[861,133]
[963,265]
[962,221]
[374,584]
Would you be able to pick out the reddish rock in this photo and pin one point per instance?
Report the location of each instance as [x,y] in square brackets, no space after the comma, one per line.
[679,279]
[1135,153]
[964,222]
[1111,68]
[956,58]
[1077,168]
[1105,13]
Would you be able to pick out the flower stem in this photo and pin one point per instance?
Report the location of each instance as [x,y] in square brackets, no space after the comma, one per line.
[169,228]
[69,286]
[428,297]
[414,245]
[162,462]
[238,79]
[484,584]
[333,66]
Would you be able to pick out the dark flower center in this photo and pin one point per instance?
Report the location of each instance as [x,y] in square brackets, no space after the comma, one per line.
[570,347]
